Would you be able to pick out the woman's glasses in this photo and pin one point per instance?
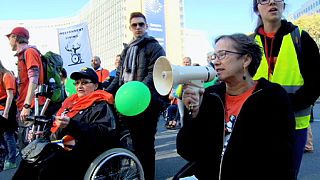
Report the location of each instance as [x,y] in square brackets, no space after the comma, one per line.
[82,83]
[263,2]
[220,55]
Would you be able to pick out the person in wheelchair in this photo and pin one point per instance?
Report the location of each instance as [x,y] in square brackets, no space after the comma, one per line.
[172,114]
[241,128]
[86,118]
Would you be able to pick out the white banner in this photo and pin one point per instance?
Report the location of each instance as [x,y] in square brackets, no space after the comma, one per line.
[75,47]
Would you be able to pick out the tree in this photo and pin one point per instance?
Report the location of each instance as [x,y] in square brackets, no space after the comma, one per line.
[311,24]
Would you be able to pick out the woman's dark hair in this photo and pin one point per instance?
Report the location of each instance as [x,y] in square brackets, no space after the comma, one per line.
[248,46]
[255,6]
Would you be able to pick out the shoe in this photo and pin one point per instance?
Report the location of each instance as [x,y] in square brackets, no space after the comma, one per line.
[172,125]
[9,165]
[168,124]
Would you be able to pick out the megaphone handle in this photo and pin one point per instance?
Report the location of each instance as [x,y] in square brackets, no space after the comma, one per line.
[196,89]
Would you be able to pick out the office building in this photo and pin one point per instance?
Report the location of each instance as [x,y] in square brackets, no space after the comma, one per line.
[108,22]
[310,7]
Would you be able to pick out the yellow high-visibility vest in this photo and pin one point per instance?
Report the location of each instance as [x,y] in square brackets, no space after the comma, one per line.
[286,73]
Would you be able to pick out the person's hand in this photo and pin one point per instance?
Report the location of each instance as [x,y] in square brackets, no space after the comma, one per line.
[62,121]
[192,98]
[24,113]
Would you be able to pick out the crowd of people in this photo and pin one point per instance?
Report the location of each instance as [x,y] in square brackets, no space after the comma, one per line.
[254,118]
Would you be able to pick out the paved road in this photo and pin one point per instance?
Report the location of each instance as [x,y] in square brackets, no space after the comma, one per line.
[168,161]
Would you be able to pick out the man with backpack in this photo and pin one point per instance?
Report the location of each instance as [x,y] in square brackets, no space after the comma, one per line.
[30,75]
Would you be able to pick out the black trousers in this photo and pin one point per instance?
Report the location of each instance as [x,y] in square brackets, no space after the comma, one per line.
[143,129]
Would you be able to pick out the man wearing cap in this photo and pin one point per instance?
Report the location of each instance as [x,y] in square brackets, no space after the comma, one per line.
[103,74]
[30,72]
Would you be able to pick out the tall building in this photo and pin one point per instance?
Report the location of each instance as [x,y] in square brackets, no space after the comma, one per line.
[108,24]
[198,53]
[310,7]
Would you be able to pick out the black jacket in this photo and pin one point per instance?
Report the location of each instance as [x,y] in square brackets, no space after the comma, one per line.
[309,65]
[260,146]
[92,130]
[149,50]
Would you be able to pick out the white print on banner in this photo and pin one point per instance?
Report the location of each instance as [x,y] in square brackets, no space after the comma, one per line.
[75,47]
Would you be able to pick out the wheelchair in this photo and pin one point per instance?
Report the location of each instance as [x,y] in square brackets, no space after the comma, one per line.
[114,164]
[171,113]
[117,163]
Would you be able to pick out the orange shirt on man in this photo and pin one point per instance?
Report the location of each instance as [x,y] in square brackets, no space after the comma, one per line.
[103,74]
[32,59]
[8,82]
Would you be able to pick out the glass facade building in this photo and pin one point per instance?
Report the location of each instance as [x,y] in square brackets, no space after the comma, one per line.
[108,24]
[310,7]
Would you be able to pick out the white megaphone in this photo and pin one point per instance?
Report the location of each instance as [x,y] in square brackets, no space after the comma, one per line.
[166,76]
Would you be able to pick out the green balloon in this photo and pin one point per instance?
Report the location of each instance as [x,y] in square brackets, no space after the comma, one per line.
[70,87]
[132,98]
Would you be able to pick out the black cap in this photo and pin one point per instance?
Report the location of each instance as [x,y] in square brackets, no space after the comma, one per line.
[86,73]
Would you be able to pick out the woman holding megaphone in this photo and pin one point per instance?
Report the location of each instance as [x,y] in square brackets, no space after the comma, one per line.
[247,125]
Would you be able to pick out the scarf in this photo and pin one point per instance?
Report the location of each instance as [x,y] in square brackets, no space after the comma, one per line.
[131,55]
[74,104]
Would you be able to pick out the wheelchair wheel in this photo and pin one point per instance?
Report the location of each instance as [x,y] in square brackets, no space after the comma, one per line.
[115,164]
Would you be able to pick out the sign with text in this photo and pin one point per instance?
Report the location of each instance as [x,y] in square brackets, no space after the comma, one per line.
[75,47]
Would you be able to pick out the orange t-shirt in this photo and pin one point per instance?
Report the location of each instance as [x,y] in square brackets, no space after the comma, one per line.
[103,74]
[8,82]
[233,107]
[32,59]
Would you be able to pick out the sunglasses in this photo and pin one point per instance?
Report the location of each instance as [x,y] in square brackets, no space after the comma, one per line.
[135,25]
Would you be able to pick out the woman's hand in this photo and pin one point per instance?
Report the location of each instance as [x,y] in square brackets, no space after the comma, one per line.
[192,99]
[62,121]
